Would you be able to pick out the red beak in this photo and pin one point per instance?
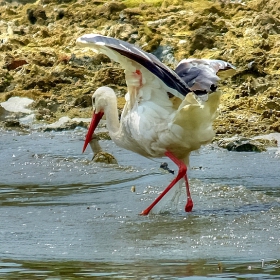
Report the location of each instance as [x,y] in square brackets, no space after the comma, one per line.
[94,122]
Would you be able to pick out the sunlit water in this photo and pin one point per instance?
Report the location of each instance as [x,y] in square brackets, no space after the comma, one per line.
[66,217]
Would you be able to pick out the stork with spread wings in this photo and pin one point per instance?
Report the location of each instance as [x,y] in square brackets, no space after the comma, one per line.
[166,112]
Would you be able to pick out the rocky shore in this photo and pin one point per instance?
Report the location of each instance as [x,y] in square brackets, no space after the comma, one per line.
[40,61]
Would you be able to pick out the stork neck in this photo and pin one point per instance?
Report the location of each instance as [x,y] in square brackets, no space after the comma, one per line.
[112,118]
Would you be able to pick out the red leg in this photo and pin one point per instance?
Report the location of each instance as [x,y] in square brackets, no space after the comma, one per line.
[189,205]
[181,173]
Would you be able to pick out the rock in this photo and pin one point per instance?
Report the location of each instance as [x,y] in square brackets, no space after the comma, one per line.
[83,101]
[107,75]
[123,31]
[104,157]
[11,63]
[37,15]
[65,123]
[273,104]
[270,140]
[39,39]
[164,166]
[44,114]
[152,42]
[240,144]
[166,55]
[104,135]
[5,79]
[130,15]
[99,155]
[3,113]
[17,105]
[12,123]
[110,9]
[267,24]
[276,126]
[204,37]
[90,62]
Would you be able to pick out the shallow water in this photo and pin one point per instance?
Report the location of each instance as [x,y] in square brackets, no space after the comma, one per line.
[66,217]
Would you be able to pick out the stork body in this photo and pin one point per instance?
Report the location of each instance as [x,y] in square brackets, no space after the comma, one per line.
[166,114]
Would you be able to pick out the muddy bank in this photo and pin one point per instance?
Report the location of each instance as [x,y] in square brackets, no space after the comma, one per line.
[39,58]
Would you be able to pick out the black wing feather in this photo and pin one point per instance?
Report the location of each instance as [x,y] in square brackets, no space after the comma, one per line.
[201,74]
[196,75]
[149,61]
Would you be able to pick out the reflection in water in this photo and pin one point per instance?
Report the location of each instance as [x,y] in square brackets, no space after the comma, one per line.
[65,217]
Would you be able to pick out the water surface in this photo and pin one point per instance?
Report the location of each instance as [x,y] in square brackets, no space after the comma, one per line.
[66,217]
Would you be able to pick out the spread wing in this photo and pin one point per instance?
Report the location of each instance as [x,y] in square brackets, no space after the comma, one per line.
[197,75]
[149,61]
[201,74]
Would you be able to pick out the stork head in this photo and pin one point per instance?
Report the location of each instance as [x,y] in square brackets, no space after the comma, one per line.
[100,100]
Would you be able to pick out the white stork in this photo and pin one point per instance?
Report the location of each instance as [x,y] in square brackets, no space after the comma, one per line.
[167,113]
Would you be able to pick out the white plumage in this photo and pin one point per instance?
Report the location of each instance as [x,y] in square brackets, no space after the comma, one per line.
[163,114]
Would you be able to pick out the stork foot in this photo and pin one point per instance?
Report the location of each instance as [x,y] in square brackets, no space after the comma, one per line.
[189,205]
